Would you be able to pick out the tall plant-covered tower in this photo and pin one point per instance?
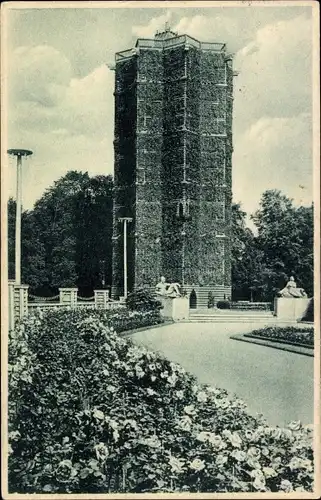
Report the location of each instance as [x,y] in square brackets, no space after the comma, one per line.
[173,163]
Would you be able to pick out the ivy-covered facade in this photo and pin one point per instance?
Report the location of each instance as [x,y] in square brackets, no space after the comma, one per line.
[173,163]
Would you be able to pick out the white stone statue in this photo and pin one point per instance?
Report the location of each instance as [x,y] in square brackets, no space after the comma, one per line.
[167,289]
[291,291]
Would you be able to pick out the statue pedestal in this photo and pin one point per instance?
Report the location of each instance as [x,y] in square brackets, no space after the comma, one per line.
[176,308]
[291,309]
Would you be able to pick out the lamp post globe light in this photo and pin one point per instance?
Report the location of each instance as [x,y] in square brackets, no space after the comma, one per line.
[19,154]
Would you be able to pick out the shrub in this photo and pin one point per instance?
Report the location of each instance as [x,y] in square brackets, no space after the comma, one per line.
[91,412]
[123,320]
[293,334]
[142,300]
[223,304]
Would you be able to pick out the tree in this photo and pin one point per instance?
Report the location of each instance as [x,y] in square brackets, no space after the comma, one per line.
[54,220]
[66,238]
[246,257]
[93,231]
[285,236]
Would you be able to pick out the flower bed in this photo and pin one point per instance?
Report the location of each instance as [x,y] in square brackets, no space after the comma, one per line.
[292,334]
[91,412]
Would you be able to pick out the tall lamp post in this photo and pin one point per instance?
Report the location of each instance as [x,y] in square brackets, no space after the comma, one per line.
[19,154]
[102,267]
[125,220]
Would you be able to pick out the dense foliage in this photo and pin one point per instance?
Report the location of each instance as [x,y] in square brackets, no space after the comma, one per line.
[293,334]
[244,305]
[143,299]
[283,246]
[66,238]
[89,411]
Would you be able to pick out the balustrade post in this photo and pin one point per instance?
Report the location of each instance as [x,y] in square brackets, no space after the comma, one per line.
[101,299]
[68,296]
[18,302]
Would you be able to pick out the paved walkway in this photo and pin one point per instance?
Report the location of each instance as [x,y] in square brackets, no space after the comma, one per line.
[278,384]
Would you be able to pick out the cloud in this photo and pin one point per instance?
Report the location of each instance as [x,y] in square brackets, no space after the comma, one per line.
[68,129]
[38,74]
[155,24]
[48,99]
[218,28]
[275,72]
[274,152]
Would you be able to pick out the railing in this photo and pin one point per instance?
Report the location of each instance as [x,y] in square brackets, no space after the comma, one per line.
[57,305]
[150,43]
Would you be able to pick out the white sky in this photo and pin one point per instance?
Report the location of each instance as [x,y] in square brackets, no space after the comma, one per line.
[61,102]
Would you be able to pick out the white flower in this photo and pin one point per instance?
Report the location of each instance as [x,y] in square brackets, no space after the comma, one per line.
[152,442]
[180,394]
[295,425]
[249,435]
[259,483]
[164,374]
[269,472]
[220,460]
[239,455]
[257,473]
[201,397]
[236,440]
[176,464]
[286,486]
[254,452]
[255,464]
[150,392]
[214,391]
[185,423]
[14,435]
[101,451]
[132,423]
[153,378]
[216,441]
[172,379]
[287,433]
[139,371]
[152,367]
[202,436]
[190,410]
[275,432]
[197,464]
[299,463]
[98,414]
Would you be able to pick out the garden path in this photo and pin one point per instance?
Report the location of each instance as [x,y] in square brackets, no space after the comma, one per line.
[277,383]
